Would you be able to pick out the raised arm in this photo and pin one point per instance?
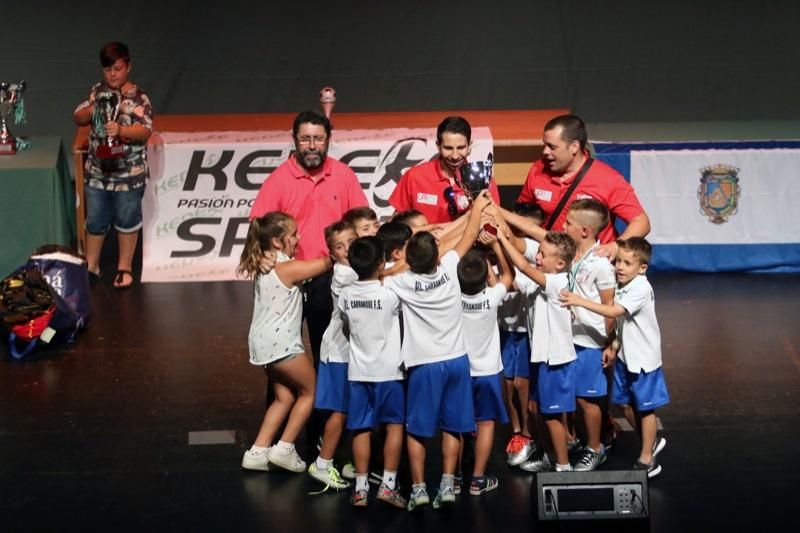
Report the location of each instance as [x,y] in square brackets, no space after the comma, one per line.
[293,272]
[519,261]
[473,223]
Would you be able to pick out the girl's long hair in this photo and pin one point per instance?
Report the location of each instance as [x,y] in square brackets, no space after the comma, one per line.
[262,230]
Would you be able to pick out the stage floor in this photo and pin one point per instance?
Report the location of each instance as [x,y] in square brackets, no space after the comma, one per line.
[96,435]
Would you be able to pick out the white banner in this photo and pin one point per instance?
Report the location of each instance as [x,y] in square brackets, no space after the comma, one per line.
[202,186]
[719,196]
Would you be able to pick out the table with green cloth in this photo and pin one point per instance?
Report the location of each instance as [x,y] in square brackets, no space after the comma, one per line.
[37,201]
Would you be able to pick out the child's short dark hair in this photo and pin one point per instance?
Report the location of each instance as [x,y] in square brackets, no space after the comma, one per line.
[333,229]
[642,250]
[365,256]
[599,212]
[393,235]
[422,253]
[472,272]
[530,210]
[566,246]
[405,216]
[358,213]
[111,52]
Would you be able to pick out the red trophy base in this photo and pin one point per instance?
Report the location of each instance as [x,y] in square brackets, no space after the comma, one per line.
[8,147]
[114,151]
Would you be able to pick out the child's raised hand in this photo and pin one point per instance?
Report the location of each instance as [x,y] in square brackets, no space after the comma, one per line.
[267,262]
[486,237]
[482,201]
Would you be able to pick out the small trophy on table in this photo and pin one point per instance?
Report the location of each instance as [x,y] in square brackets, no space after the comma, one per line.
[10,98]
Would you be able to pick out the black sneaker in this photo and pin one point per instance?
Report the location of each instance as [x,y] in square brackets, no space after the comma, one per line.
[653,469]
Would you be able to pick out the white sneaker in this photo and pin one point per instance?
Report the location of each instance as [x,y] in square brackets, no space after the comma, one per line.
[329,478]
[349,471]
[256,460]
[287,460]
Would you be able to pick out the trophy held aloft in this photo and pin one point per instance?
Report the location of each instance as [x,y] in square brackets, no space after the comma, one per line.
[474,176]
[10,100]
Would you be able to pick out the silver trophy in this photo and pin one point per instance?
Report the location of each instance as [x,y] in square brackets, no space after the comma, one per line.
[106,106]
[10,96]
[475,176]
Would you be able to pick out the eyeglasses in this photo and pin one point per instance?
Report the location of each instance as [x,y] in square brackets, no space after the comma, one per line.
[308,140]
[450,196]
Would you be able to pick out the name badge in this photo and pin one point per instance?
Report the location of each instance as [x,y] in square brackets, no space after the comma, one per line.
[581,196]
[429,199]
[545,196]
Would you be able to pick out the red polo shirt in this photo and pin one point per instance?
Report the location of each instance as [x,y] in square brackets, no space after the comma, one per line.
[601,182]
[422,188]
[314,205]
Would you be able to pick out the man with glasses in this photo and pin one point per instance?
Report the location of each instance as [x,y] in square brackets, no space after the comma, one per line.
[316,190]
[433,187]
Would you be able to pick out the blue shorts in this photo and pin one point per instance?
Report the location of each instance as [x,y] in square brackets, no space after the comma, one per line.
[553,387]
[121,208]
[440,397]
[590,380]
[332,389]
[516,354]
[488,398]
[645,391]
[375,403]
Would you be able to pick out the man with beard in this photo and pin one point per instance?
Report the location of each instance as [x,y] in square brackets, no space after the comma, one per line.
[316,190]
[565,159]
[432,188]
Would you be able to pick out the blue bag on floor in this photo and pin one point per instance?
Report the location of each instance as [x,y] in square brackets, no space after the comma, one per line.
[46,300]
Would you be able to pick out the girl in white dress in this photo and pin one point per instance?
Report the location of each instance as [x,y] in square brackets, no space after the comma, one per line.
[275,340]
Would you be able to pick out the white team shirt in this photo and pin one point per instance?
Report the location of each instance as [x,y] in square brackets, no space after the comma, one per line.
[334,347]
[275,331]
[550,324]
[531,249]
[372,313]
[432,323]
[480,330]
[638,328]
[590,275]
[513,313]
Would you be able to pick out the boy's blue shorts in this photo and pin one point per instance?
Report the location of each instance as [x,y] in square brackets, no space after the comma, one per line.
[332,391]
[516,354]
[440,397]
[590,380]
[553,387]
[375,403]
[644,391]
[487,394]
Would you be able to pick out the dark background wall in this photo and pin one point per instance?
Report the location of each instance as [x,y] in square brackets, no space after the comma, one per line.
[616,61]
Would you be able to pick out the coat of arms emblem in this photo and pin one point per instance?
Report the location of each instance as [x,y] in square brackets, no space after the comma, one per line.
[719,192]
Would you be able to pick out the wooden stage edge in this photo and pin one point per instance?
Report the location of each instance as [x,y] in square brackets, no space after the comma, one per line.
[509,128]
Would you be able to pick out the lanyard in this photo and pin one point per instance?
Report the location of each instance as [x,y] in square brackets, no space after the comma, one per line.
[573,271]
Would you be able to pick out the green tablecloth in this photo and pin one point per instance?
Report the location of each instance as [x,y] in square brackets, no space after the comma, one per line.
[37,201]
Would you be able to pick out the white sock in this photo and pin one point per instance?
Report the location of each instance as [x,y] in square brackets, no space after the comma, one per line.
[258,449]
[284,446]
[448,480]
[323,464]
[563,468]
[416,487]
[390,479]
[361,482]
